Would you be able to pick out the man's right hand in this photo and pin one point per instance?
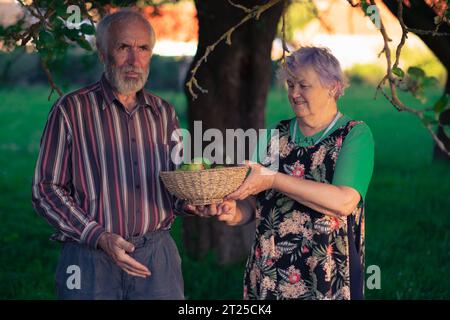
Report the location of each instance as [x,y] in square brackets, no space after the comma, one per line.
[204,211]
[228,212]
[225,211]
[117,247]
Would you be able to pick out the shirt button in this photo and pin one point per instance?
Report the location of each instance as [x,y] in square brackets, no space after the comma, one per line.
[135,163]
[138,186]
[133,140]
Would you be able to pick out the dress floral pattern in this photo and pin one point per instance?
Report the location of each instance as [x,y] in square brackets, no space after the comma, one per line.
[299,253]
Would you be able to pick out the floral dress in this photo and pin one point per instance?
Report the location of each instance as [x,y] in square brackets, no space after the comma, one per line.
[299,253]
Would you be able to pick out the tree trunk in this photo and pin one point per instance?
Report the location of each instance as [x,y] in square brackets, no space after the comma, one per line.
[421,16]
[237,78]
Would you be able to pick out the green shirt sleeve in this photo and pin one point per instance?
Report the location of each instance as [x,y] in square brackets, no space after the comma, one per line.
[354,166]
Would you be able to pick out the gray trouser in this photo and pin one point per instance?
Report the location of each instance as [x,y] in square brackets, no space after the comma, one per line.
[85,273]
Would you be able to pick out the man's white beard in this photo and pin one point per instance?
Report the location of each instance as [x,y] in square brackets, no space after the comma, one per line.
[129,85]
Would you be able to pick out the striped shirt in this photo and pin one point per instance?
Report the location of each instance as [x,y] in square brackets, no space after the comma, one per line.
[98,165]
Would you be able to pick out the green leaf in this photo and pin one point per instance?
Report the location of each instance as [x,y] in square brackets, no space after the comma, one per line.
[441,103]
[398,72]
[364,6]
[61,9]
[45,37]
[58,26]
[437,19]
[340,245]
[72,34]
[84,44]
[416,72]
[44,52]
[286,206]
[87,28]
[429,120]
[430,82]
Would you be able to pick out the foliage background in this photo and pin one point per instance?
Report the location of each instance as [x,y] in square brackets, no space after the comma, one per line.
[408,205]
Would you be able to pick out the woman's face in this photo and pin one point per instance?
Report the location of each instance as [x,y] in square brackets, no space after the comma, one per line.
[306,93]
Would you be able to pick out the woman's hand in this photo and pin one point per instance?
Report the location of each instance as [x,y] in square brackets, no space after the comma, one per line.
[259,179]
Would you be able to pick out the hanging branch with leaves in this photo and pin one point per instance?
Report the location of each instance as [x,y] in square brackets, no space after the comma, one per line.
[44,27]
[48,26]
[414,80]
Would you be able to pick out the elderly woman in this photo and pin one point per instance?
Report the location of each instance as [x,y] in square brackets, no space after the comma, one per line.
[309,241]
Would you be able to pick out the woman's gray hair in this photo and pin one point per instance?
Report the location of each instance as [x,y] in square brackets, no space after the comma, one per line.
[111,19]
[323,62]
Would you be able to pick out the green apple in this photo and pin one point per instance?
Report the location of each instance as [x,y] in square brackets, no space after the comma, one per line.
[196,164]
[191,167]
[195,167]
[183,167]
[203,161]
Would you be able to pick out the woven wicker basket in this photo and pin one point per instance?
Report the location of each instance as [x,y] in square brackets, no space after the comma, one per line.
[204,186]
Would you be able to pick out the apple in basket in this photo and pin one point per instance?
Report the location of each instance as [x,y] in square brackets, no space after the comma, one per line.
[195,165]
[201,182]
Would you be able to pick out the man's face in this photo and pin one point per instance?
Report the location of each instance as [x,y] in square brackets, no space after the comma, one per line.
[127,60]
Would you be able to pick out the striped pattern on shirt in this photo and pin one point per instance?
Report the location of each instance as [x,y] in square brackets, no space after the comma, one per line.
[98,166]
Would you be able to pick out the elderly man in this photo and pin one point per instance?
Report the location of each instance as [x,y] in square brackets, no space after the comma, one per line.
[97,176]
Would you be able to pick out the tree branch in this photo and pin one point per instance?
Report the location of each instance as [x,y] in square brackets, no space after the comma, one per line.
[50,79]
[393,98]
[254,13]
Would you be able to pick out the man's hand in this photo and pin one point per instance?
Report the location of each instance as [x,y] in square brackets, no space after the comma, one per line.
[224,211]
[228,213]
[117,247]
[202,211]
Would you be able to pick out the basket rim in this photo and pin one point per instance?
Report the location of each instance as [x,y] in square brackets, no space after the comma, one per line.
[207,170]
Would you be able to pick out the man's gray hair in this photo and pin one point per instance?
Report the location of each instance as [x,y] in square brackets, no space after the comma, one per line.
[323,62]
[115,18]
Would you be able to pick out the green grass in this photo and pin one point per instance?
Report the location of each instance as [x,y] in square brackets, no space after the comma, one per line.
[408,204]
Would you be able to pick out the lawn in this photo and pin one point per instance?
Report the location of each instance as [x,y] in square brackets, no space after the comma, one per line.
[408,204]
